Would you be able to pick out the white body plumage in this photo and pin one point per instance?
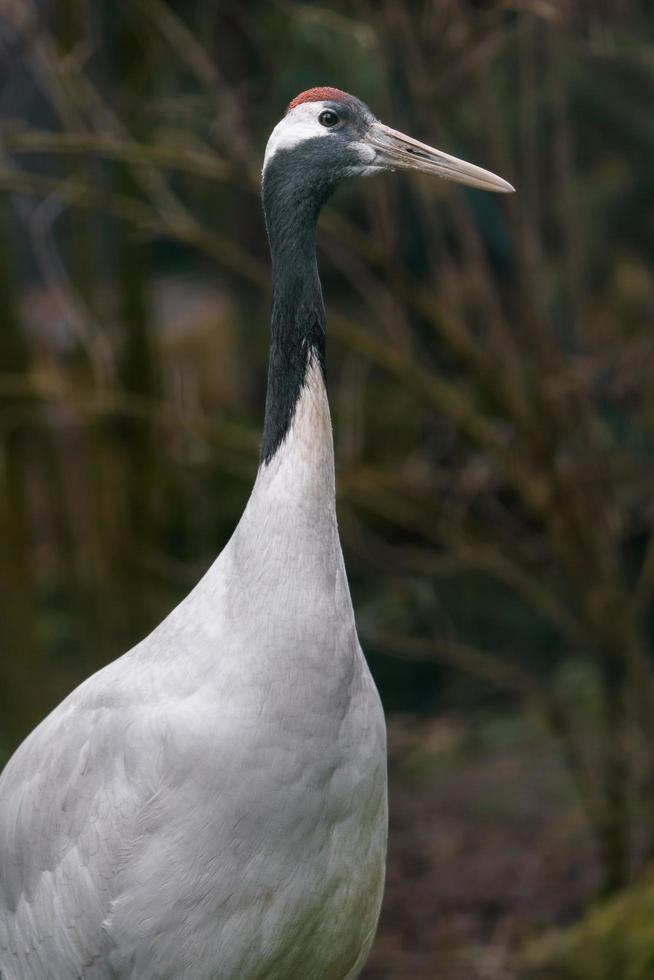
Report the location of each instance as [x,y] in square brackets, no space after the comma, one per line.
[212,805]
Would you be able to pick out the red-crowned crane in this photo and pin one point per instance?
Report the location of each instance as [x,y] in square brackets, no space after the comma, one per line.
[212,805]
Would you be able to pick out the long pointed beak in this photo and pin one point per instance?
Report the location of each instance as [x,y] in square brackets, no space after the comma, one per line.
[396,151]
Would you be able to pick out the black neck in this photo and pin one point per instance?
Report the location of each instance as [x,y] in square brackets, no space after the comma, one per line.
[298,312]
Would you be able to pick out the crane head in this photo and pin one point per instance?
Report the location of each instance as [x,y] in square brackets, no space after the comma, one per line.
[327,135]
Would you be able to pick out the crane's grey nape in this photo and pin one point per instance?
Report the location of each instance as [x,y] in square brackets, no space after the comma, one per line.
[212,805]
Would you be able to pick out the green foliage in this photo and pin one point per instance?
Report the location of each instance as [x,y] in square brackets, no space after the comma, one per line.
[614,940]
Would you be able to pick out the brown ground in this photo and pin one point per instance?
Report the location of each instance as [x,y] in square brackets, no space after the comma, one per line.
[487,849]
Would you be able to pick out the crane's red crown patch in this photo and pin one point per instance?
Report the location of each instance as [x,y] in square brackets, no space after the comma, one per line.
[322,94]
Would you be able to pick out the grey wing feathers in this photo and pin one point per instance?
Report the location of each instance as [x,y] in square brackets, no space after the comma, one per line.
[67,801]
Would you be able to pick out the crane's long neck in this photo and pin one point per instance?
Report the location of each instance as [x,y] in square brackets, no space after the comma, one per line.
[285,554]
[297,434]
[288,538]
[297,343]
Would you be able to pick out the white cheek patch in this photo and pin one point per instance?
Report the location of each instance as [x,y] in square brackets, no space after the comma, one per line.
[300,124]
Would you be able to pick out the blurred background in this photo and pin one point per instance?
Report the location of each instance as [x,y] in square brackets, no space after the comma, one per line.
[491,367]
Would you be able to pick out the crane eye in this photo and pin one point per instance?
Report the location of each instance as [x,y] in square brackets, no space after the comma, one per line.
[328,118]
